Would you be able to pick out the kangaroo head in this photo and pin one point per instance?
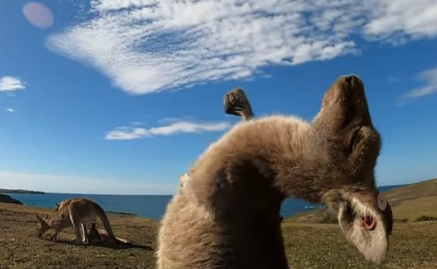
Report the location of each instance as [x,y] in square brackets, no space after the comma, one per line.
[346,127]
[43,226]
[352,144]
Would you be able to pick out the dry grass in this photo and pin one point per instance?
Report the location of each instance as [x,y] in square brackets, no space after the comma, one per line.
[309,245]
[414,201]
[20,248]
[409,203]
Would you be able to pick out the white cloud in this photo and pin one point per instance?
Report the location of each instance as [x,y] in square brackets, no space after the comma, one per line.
[10,110]
[9,83]
[129,133]
[83,185]
[401,20]
[147,46]
[430,87]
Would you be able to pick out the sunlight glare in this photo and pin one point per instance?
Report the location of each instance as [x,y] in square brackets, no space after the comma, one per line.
[38,15]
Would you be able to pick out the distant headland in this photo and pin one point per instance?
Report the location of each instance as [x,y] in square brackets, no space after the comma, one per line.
[20,191]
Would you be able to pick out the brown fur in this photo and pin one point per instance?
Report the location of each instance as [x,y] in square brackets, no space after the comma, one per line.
[237,103]
[75,213]
[227,216]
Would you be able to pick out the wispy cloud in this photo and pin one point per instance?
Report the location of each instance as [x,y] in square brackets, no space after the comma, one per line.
[129,133]
[430,87]
[9,83]
[146,46]
[84,185]
[392,79]
[10,110]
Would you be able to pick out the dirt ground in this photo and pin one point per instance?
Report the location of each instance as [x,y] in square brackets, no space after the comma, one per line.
[413,245]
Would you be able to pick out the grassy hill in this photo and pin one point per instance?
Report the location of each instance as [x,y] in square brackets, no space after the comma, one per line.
[409,203]
[308,244]
[414,201]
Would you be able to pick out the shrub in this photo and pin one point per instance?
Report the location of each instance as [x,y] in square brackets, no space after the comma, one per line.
[426,218]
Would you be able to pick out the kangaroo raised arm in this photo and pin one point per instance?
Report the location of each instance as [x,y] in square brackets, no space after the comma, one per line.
[76,213]
[227,217]
[237,103]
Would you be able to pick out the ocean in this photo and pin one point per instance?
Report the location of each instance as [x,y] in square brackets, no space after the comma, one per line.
[149,206]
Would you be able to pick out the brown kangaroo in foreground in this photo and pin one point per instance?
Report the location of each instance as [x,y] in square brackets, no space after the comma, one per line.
[227,216]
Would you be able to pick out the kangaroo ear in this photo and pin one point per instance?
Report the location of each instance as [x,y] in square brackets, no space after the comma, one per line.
[344,106]
[57,204]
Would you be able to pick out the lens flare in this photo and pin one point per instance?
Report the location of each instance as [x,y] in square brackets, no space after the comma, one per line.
[38,15]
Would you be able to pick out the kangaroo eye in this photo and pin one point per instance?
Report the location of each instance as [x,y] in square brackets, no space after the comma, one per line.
[382,201]
[354,139]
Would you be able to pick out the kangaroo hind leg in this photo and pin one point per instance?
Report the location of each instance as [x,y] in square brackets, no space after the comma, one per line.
[77,228]
[84,233]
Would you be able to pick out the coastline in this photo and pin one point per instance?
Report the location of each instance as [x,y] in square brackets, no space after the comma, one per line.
[20,191]
[148,206]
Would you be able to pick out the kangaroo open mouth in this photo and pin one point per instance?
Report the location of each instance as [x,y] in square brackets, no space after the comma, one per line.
[369,222]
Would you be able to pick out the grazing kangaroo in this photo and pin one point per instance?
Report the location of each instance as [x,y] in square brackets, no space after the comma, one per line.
[76,213]
[227,216]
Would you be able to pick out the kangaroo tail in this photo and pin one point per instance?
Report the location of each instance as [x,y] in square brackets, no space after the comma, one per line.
[107,225]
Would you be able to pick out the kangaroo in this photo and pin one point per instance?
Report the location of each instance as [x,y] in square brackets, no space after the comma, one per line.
[75,213]
[94,236]
[98,236]
[227,216]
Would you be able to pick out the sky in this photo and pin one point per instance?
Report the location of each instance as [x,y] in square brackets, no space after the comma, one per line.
[122,96]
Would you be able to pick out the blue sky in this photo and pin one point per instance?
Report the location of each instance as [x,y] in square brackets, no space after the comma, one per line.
[122,96]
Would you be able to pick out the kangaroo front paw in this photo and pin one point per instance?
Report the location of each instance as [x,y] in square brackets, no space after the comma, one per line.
[236,103]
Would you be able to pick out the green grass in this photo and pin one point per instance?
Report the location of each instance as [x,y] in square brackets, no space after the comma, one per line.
[308,244]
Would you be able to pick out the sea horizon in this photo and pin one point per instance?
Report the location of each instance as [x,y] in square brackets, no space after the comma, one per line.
[151,206]
[145,194]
